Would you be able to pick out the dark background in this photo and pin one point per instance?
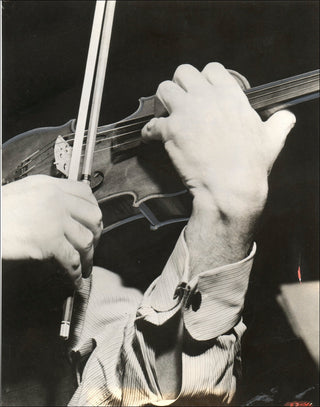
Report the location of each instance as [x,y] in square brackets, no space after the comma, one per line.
[44,54]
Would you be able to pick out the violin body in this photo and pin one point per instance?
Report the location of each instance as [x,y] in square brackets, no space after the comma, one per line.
[131,180]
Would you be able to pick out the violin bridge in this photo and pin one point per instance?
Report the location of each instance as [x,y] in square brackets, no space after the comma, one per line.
[62,155]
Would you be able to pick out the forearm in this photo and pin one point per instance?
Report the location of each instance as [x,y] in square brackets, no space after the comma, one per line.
[212,241]
[215,238]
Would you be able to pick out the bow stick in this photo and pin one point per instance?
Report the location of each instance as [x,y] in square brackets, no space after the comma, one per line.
[103,17]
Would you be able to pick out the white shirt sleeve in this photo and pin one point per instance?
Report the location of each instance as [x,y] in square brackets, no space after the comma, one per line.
[113,324]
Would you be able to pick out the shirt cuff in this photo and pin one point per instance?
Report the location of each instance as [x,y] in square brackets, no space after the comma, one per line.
[212,302]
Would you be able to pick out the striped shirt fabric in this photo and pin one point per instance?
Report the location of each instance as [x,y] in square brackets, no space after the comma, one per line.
[115,329]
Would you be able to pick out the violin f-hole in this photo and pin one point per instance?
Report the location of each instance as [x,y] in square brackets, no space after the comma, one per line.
[96,180]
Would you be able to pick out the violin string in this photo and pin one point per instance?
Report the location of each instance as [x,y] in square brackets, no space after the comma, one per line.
[263,92]
[286,94]
[251,94]
[83,148]
[133,140]
[313,75]
[282,88]
[104,132]
[50,145]
[291,83]
[271,100]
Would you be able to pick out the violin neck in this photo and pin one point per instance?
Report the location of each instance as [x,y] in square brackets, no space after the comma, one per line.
[266,99]
[285,92]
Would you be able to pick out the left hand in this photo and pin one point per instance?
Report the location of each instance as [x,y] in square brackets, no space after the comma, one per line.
[218,143]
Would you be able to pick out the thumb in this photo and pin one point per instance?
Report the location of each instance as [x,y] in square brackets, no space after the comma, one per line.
[278,127]
[155,129]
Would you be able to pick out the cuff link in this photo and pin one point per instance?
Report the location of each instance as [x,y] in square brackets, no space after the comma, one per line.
[189,298]
[194,300]
[182,292]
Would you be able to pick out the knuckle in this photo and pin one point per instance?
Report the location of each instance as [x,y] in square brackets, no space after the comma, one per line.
[66,254]
[88,241]
[174,127]
[182,70]
[214,67]
[164,87]
[78,188]
[162,128]
[97,216]
[82,188]
[75,260]
[86,188]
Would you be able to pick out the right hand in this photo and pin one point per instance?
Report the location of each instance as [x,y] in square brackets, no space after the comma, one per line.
[49,218]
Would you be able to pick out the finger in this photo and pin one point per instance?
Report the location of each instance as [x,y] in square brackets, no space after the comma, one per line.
[189,78]
[86,213]
[82,240]
[69,259]
[156,129]
[76,188]
[278,127]
[171,95]
[241,80]
[216,74]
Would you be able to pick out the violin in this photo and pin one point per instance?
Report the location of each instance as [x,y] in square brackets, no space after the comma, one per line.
[127,179]
[130,179]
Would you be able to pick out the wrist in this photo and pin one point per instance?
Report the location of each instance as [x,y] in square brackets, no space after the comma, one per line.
[241,203]
[215,238]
